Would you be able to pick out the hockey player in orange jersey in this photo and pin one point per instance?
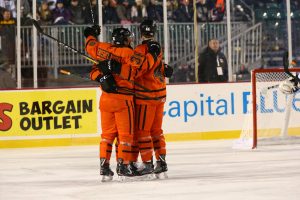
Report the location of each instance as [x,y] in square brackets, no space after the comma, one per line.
[149,111]
[116,101]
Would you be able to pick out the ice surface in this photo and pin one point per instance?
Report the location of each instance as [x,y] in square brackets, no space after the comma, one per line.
[206,170]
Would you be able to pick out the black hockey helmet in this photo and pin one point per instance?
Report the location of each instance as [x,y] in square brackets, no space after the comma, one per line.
[120,35]
[148,27]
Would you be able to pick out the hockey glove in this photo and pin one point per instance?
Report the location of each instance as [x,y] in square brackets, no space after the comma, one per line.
[109,66]
[104,67]
[154,49]
[115,66]
[289,86]
[168,71]
[92,31]
[108,83]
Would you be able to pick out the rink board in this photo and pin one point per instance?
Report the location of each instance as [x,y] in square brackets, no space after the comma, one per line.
[62,117]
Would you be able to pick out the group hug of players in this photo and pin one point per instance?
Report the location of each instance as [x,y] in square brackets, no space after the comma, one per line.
[132,100]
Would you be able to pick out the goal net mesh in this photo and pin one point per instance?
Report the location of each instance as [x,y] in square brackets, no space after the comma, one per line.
[273,117]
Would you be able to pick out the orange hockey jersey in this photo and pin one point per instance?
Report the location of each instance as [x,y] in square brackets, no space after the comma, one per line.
[133,63]
[152,79]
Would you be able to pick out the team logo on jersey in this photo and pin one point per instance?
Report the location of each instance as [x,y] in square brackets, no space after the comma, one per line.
[104,55]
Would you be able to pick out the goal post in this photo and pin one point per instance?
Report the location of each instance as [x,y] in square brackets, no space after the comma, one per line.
[274,117]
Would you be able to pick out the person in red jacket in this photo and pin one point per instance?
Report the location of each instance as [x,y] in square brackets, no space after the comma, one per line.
[149,111]
[115,74]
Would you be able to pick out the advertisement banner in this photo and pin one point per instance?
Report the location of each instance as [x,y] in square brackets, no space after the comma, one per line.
[191,112]
[221,107]
[48,112]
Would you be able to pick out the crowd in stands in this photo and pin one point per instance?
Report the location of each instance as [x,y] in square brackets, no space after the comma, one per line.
[61,12]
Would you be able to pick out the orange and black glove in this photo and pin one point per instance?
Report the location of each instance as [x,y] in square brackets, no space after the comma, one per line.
[92,31]
[109,66]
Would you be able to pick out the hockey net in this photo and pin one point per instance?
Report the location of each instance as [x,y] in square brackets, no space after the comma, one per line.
[273,117]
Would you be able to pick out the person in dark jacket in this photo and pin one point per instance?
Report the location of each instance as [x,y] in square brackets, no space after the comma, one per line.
[155,11]
[7,36]
[77,12]
[61,15]
[184,12]
[6,80]
[212,64]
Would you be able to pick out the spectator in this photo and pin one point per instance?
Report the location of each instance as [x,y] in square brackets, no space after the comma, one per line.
[82,3]
[61,15]
[6,80]
[77,13]
[45,14]
[184,73]
[155,11]
[123,11]
[171,7]
[25,8]
[88,18]
[1,11]
[243,74]
[138,11]
[204,10]
[110,13]
[212,64]
[51,4]
[105,11]
[26,15]
[218,11]
[9,5]
[7,33]
[184,12]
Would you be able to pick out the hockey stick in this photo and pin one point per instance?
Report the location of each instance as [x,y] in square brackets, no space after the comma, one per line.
[127,91]
[40,30]
[65,72]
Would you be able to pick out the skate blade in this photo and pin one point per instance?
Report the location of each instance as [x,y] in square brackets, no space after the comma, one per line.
[147,177]
[126,178]
[162,175]
[106,178]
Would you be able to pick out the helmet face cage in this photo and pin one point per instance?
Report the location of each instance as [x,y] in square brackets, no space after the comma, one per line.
[120,35]
[148,28]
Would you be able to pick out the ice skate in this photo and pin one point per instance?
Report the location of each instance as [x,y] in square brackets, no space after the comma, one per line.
[105,171]
[134,167]
[124,171]
[146,171]
[161,168]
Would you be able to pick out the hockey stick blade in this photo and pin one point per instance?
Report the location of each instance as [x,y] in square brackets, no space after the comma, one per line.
[64,72]
[37,26]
